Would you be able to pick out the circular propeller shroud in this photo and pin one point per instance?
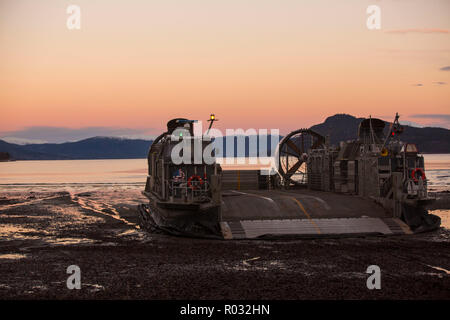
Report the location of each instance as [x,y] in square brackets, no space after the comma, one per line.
[291,154]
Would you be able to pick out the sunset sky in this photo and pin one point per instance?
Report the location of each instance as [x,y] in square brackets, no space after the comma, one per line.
[283,64]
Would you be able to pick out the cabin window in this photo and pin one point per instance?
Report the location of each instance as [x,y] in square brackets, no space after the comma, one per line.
[421,162]
[411,162]
[384,161]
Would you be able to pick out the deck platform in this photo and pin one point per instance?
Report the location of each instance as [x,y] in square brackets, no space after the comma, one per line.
[255,213]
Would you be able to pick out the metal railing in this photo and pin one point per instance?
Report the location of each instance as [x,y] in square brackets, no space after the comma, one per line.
[196,189]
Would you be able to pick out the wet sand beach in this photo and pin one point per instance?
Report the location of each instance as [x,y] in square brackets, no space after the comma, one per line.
[45,229]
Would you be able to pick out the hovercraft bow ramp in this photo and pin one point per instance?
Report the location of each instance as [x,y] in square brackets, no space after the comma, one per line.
[374,185]
[252,214]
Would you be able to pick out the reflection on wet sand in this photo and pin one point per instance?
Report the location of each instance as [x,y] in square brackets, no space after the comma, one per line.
[67,217]
[12,256]
[445,217]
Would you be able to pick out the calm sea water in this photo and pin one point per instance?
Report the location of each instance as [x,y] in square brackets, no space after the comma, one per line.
[134,171]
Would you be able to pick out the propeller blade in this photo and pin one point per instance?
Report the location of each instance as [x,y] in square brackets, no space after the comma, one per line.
[294,147]
[289,153]
[294,168]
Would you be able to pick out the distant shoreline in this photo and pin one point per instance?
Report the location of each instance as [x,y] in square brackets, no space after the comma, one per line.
[144,158]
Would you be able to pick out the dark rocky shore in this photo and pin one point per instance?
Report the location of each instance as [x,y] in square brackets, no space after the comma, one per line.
[43,232]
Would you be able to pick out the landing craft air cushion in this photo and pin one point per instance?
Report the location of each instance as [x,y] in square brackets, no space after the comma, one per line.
[374,185]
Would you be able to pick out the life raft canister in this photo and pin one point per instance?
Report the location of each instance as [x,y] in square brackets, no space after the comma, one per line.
[420,171]
[194,178]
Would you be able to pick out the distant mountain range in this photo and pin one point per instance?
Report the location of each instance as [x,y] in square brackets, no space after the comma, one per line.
[340,127]
[92,148]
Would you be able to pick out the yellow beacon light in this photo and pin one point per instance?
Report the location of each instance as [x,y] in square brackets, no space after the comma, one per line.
[211,120]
